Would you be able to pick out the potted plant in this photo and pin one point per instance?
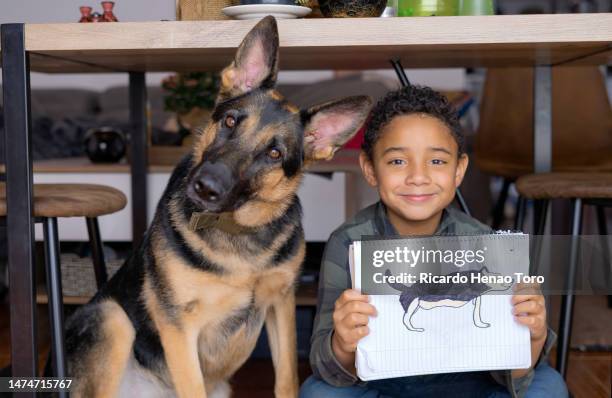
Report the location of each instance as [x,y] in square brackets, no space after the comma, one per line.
[190,96]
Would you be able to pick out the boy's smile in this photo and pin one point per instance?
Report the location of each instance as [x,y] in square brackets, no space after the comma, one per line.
[416,168]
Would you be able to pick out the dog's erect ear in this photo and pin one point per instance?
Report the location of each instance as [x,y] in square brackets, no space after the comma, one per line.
[255,64]
[331,125]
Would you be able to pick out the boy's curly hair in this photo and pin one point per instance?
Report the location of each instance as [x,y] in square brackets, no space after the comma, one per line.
[406,101]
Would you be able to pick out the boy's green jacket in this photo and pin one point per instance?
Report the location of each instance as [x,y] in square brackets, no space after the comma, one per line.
[335,278]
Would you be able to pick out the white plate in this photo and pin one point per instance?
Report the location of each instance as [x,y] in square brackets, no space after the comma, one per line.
[256,11]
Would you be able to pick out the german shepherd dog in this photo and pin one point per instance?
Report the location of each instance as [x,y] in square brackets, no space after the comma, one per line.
[224,249]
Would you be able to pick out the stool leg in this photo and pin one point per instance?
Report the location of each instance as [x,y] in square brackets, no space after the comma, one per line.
[97,253]
[498,210]
[519,218]
[603,231]
[54,292]
[540,210]
[567,300]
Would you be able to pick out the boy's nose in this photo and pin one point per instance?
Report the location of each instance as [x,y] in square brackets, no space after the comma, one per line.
[418,175]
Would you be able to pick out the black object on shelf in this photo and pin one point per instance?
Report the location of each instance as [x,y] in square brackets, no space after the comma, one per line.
[105,144]
[284,2]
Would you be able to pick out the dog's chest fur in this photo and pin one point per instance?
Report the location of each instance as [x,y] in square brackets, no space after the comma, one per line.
[228,310]
[212,298]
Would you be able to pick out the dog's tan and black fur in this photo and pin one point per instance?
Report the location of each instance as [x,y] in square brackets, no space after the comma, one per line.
[184,312]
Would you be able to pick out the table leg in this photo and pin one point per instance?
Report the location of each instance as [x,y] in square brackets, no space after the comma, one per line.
[542,137]
[18,136]
[139,161]
[542,143]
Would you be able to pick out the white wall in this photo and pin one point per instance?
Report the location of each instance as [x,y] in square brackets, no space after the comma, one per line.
[49,11]
[58,11]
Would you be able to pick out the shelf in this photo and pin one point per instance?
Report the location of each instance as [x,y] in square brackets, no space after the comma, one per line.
[345,161]
[351,43]
[306,295]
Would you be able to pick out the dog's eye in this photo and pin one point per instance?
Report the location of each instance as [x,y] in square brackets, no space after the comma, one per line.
[230,121]
[274,154]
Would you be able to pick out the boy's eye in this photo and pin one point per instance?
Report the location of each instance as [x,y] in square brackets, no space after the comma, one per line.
[396,162]
[438,161]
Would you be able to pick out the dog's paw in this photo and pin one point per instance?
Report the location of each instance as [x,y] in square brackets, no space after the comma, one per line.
[222,390]
[286,391]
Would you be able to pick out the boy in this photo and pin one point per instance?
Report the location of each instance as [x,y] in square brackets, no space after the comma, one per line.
[413,155]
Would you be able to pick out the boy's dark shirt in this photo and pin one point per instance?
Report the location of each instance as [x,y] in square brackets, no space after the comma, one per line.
[335,278]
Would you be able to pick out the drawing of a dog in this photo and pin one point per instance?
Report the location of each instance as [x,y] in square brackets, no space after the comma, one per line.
[432,295]
[224,249]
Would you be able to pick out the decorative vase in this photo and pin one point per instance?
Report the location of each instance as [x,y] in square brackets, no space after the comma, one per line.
[426,8]
[476,7]
[105,144]
[85,14]
[352,8]
[108,15]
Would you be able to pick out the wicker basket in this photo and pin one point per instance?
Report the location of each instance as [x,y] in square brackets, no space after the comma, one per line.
[78,277]
[198,10]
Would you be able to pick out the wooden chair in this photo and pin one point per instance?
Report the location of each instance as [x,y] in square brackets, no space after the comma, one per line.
[582,189]
[50,202]
[581,125]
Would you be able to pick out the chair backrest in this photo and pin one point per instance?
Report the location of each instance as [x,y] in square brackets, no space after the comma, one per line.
[581,121]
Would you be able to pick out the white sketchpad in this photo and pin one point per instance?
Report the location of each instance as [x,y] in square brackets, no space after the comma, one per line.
[450,341]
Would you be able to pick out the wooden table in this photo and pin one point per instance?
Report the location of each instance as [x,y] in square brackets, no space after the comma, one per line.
[539,41]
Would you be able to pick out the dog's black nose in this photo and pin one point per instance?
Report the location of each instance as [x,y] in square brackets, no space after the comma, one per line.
[208,189]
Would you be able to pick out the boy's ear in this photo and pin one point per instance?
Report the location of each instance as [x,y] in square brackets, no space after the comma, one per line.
[367,169]
[462,165]
[329,126]
[255,64]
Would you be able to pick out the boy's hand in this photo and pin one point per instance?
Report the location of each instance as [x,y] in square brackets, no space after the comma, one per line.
[350,317]
[529,309]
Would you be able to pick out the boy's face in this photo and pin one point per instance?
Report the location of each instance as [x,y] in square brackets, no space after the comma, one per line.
[416,169]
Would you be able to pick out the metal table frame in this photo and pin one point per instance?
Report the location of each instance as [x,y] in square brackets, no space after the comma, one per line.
[17,118]
[20,221]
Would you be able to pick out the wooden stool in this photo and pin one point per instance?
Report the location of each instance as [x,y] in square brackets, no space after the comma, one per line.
[51,201]
[581,188]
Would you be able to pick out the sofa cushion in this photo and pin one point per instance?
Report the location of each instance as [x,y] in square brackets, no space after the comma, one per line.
[64,103]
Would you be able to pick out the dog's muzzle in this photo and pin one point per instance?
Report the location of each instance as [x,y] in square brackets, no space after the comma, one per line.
[210,185]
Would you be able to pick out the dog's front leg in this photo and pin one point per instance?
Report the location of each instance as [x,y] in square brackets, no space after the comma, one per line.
[181,353]
[280,325]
